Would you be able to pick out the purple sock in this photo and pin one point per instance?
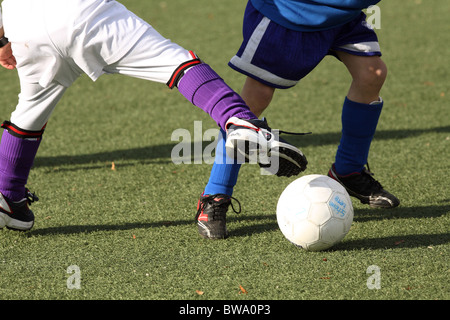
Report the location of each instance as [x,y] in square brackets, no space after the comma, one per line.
[16,159]
[204,88]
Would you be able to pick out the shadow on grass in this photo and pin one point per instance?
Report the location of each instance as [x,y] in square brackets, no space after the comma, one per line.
[367,214]
[395,242]
[248,225]
[361,215]
[140,154]
[334,137]
[84,229]
[163,152]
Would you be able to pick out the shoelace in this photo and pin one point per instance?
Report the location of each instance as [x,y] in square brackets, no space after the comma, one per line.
[232,207]
[31,197]
[287,132]
[369,177]
[294,133]
[216,204]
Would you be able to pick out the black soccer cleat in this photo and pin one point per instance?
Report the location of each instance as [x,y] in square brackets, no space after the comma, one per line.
[211,215]
[17,215]
[364,187]
[255,142]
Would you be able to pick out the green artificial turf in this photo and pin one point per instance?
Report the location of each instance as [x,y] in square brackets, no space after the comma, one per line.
[114,204]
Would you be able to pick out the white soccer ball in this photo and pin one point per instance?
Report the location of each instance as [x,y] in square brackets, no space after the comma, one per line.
[314,212]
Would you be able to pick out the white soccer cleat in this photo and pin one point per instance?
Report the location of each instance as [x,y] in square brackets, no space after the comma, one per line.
[253,141]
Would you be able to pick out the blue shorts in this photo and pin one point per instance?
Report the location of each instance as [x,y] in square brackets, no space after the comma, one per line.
[280,57]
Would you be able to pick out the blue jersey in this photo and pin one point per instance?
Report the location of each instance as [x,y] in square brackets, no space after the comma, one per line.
[312,15]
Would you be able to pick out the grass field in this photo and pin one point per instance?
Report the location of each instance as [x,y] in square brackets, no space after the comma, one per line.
[131,230]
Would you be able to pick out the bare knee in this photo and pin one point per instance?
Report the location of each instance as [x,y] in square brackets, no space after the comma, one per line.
[371,75]
[257,95]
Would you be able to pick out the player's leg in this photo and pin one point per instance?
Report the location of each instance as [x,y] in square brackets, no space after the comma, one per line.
[257,92]
[217,196]
[263,59]
[360,114]
[257,95]
[225,170]
[356,45]
[20,142]
[368,76]
[273,71]
[37,64]
[155,58]
[361,111]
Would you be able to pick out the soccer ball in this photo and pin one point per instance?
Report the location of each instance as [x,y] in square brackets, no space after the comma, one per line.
[314,212]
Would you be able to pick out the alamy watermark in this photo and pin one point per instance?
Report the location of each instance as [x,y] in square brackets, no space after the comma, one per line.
[206,147]
[374,281]
[74,281]
[373,14]
[191,149]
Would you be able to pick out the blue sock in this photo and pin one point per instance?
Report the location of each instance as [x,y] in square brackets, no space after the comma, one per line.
[359,122]
[224,172]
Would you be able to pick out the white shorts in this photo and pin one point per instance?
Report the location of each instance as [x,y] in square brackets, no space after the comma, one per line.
[55,41]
